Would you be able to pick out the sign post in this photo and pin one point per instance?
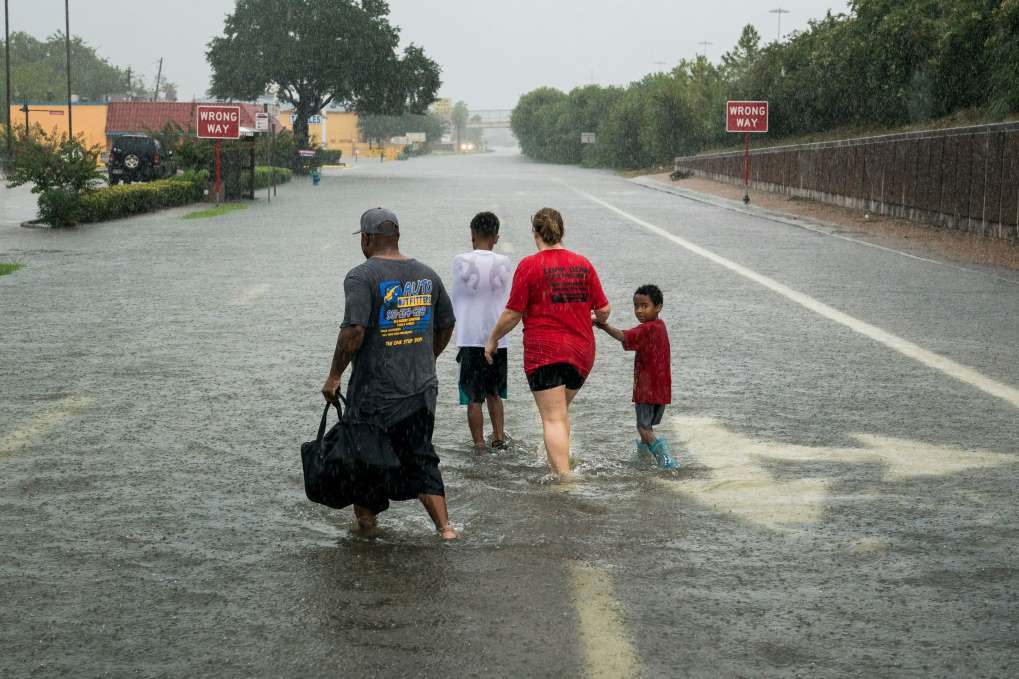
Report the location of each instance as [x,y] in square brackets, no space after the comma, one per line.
[748,117]
[262,125]
[218,122]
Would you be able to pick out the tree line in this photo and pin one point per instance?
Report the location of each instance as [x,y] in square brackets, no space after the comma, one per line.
[38,73]
[886,63]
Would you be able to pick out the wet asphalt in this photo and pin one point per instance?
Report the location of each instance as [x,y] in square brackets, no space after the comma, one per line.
[842,509]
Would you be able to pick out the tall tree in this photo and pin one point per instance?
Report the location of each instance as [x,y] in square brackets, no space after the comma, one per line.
[313,53]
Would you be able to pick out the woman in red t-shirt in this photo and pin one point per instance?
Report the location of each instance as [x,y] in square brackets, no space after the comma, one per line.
[554,293]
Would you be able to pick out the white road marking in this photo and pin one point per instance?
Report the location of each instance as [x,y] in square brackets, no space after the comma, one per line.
[250,295]
[963,373]
[770,215]
[608,652]
[43,423]
[741,482]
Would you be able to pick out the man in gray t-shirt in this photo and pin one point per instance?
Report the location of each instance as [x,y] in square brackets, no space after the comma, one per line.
[397,320]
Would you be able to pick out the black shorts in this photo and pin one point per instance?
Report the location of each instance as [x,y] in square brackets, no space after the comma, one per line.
[478,379]
[555,375]
[419,464]
[648,415]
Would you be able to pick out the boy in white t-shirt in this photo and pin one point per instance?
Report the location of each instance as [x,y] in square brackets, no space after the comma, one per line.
[481,287]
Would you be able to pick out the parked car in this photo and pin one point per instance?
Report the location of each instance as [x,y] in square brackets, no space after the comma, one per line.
[138,158]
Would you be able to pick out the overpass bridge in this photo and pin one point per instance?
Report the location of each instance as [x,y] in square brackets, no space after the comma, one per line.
[490,119]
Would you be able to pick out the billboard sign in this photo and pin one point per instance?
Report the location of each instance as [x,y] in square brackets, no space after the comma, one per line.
[217,121]
[587,137]
[746,116]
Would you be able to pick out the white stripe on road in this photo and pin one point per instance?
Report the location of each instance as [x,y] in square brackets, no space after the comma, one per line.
[947,366]
[42,424]
[607,650]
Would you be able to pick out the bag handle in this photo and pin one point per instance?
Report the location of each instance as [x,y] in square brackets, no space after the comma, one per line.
[325,414]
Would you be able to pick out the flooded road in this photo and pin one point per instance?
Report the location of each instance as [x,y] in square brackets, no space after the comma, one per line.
[846,419]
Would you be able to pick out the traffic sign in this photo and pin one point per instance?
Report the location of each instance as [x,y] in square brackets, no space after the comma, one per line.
[261,122]
[217,121]
[306,153]
[746,116]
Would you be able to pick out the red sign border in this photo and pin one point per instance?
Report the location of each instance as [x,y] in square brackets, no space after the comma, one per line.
[767,121]
[198,126]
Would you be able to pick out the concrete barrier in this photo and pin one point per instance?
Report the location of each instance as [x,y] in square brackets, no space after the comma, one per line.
[964,178]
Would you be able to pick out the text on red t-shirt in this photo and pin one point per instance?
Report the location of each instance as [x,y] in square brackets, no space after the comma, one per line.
[556,290]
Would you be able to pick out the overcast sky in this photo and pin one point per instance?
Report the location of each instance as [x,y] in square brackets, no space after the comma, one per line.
[491,51]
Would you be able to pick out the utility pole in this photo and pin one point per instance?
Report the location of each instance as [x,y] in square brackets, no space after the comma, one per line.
[67,43]
[8,132]
[129,83]
[779,11]
[705,44]
[159,76]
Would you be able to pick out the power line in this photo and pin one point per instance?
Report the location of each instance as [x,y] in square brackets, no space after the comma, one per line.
[779,11]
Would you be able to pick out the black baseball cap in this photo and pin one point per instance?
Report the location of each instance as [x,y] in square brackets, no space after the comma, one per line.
[373,222]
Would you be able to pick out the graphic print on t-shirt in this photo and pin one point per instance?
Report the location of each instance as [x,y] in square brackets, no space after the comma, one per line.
[406,314]
[568,284]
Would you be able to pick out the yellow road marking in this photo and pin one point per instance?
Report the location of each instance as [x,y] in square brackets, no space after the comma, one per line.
[608,652]
[42,423]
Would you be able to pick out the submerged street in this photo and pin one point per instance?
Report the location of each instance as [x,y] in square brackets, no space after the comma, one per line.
[846,418]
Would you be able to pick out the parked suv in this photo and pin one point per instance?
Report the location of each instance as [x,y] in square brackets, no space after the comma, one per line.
[138,158]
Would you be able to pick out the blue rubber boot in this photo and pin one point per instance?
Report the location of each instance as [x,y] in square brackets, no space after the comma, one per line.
[660,449]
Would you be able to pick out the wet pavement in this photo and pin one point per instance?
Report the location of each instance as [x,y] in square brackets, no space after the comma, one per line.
[846,505]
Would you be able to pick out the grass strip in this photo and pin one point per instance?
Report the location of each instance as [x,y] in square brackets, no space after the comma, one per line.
[223,209]
[10,267]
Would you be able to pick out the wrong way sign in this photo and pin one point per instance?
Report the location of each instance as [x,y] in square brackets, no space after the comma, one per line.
[217,121]
[746,116]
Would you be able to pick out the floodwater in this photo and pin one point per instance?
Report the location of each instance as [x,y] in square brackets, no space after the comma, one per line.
[841,510]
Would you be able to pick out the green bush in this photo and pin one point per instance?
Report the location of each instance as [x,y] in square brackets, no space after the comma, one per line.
[60,207]
[263,175]
[131,199]
[328,156]
[50,161]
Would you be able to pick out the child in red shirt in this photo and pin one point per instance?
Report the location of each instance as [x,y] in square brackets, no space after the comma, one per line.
[652,370]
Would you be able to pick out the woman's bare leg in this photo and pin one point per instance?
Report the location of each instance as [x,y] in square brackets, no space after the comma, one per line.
[553,405]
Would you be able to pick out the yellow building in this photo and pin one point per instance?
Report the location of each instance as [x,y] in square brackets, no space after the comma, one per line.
[338,131]
[89,120]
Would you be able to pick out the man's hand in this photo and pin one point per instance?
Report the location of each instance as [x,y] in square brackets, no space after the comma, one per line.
[331,388]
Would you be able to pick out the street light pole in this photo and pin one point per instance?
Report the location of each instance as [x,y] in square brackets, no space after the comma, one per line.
[8,133]
[67,43]
[779,11]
